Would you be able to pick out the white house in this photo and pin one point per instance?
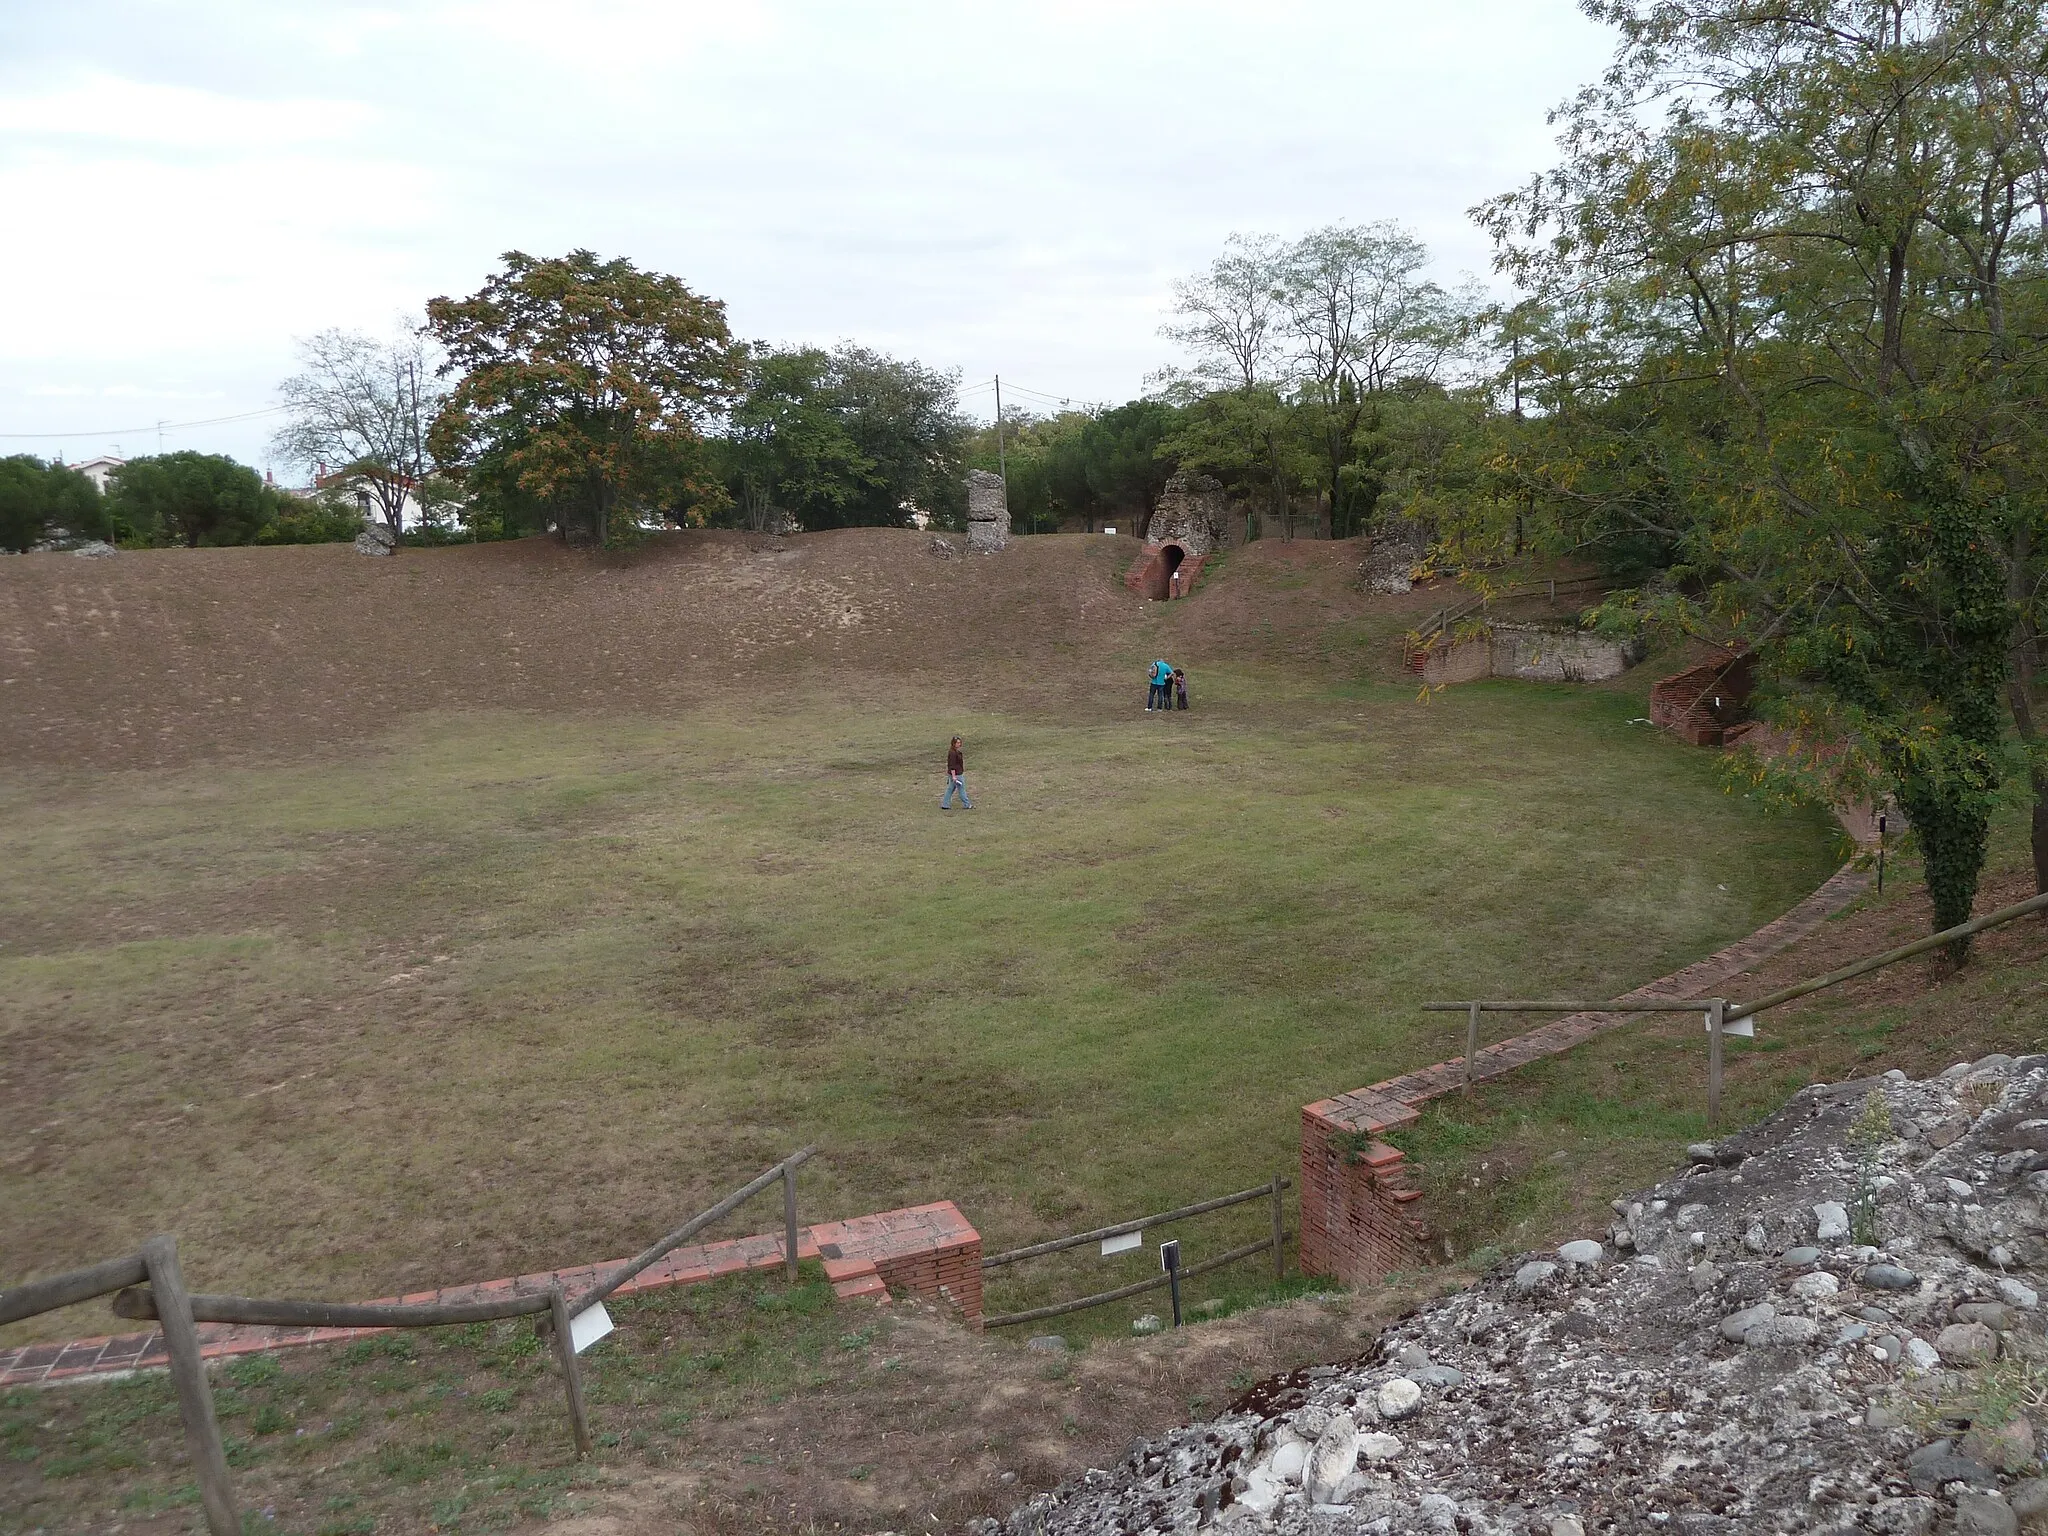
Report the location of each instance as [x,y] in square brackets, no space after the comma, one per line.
[97,470]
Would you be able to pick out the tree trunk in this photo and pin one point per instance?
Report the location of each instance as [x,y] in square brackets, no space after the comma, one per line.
[2019,690]
[2019,693]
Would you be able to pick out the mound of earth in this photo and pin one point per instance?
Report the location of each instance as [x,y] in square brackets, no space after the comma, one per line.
[168,656]
[1829,1323]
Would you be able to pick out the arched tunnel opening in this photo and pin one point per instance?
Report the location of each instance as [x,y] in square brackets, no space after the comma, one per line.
[1164,569]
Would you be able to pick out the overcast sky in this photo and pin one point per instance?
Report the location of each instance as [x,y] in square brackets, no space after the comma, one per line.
[191,184]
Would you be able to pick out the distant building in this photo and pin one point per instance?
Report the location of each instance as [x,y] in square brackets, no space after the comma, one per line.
[355,484]
[97,470]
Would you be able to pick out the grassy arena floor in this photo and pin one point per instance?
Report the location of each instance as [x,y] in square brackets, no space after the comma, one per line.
[499,990]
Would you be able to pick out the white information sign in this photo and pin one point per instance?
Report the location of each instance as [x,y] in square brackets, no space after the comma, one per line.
[1743,1027]
[588,1326]
[1123,1244]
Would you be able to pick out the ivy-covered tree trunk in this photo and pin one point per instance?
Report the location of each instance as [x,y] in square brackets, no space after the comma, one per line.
[1953,624]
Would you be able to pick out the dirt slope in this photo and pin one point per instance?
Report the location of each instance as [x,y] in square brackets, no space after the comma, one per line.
[165,656]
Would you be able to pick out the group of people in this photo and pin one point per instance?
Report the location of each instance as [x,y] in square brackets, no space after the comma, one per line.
[1167,687]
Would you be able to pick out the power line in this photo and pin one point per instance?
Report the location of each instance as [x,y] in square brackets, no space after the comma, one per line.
[154,426]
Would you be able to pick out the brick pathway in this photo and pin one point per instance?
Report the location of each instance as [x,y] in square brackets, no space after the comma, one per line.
[1414,1088]
[1358,1195]
[928,1250]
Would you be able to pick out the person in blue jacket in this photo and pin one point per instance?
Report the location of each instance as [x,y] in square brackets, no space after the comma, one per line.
[1159,694]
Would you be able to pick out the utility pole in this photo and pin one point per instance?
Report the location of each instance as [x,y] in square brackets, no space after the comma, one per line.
[1002,468]
[159,439]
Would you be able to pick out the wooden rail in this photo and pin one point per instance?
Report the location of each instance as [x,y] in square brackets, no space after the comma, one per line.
[177,1312]
[1718,1010]
[1268,1190]
[1277,1244]
[1008,1319]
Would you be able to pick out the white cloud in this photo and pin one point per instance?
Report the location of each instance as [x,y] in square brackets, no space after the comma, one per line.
[986,187]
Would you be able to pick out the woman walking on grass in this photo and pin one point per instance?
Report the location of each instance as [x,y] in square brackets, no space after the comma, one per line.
[956,778]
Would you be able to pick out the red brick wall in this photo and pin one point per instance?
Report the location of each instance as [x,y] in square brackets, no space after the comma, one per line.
[951,1274]
[1684,702]
[1149,577]
[1359,1215]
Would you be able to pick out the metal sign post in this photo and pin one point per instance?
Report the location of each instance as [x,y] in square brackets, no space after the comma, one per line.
[1880,852]
[1169,1260]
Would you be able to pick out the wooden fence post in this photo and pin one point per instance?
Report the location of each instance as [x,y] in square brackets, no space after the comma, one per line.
[1717,1012]
[1279,1231]
[188,1375]
[572,1376]
[789,1220]
[1471,1044]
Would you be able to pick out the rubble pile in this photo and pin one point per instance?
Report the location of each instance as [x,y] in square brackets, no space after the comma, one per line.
[1829,1323]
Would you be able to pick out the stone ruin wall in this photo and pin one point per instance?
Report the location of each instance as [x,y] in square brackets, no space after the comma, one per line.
[1193,512]
[988,514]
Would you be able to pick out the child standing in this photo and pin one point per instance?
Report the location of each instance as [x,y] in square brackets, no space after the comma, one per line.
[1180,687]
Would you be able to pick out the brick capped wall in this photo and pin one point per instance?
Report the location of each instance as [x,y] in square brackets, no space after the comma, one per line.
[1359,1215]
[1703,703]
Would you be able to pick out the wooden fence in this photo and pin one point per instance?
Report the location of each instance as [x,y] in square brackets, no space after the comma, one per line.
[177,1312]
[1444,618]
[1276,1244]
[1721,1014]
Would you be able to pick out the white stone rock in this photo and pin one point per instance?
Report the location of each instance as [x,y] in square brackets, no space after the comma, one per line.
[1288,1461]
[1831,1221]
[1776,1332]
[1378,1446]
[1533,1274]
[1922,1355]
[1567,1525]
[1816,1285]
[2015,1294]
[1334,1458]
[1584,1251]
[1959,1189]
[1262,1491]
[1398,1398]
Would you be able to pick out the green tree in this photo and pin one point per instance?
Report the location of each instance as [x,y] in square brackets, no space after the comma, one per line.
[849,437]
[1808,238]
[1364,323]
[322,519]
[192,499]
[584,389]
[1110,464]
[37,500]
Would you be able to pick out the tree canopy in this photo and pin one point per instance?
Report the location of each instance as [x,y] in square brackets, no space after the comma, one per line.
[37,500]
[1789,339]
[583,393]
[849,437]
[194,499]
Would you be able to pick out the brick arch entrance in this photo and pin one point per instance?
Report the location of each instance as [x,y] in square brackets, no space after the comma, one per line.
[1152,576]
